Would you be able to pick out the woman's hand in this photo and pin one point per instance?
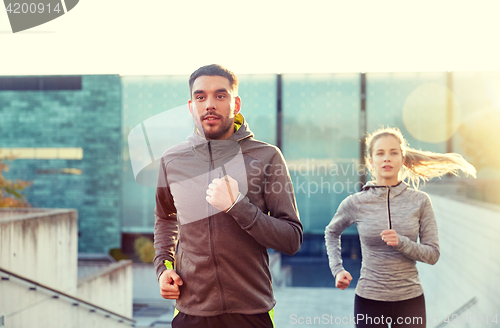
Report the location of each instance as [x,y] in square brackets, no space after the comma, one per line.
[343,279]
[390,237]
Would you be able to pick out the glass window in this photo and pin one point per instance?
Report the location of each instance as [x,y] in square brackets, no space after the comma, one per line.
[155,110]
[478,95]
[156,117]
[258,105]
[416,103]
[320,142]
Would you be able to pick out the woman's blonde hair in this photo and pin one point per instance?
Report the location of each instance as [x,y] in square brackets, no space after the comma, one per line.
[418,165]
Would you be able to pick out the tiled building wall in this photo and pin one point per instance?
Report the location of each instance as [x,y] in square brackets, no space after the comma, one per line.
[89,119]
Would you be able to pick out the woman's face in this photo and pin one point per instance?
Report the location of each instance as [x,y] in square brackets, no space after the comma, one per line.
[386,160]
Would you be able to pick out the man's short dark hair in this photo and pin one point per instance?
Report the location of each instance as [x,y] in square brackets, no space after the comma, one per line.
[214,70]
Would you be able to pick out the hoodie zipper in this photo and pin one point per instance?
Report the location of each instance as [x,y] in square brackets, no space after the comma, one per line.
[389,207]
[388,199]
[212,231]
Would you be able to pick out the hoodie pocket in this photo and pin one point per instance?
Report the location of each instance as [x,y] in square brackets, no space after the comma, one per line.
[191,263]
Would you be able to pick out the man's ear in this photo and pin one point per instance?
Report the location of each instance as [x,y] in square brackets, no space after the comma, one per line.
[237,105]
[189,106]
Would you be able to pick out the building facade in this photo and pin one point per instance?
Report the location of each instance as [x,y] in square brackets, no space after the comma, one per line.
[73,137]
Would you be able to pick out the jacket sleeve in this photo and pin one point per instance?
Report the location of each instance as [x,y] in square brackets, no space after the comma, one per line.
[166,229]
[427,250]
[280,228]
[344,217]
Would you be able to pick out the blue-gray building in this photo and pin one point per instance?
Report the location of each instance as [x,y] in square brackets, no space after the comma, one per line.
[66,132]
[72,136]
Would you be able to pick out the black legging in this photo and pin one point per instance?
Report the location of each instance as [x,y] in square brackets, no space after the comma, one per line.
[377,314]
[226,320]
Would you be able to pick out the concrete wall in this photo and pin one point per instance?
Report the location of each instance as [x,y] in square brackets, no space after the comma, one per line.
[146,286]
[22,307]
[110,288]
[41,245]
[469,266]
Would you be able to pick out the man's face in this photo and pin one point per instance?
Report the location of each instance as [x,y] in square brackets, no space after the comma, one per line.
[213,106]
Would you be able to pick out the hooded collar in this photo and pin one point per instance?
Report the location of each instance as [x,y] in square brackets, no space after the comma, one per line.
[382,190]
[219,148]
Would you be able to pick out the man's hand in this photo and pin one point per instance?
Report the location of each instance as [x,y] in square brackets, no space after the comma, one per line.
[343,279]
[390,237]
[222,193]
[169,284]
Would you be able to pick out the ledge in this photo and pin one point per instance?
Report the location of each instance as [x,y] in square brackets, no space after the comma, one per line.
[104,271]
[18,214]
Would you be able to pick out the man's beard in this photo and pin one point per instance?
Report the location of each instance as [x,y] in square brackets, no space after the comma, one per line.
[217,134]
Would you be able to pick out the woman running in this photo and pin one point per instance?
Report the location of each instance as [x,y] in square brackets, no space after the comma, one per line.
[391,217]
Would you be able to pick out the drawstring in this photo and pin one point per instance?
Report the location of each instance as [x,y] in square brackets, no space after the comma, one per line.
[227,184]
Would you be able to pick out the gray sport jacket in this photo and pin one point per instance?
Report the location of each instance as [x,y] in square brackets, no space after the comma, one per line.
[387,273]
[222,257]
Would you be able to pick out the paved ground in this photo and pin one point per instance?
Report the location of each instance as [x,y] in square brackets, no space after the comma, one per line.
[153,313]
[313,307]
[296,307]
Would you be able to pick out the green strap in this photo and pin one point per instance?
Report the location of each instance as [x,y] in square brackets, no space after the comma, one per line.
[169,265]
[271,315]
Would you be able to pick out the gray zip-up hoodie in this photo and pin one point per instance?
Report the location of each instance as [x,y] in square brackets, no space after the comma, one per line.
[222,257]
[387,273]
